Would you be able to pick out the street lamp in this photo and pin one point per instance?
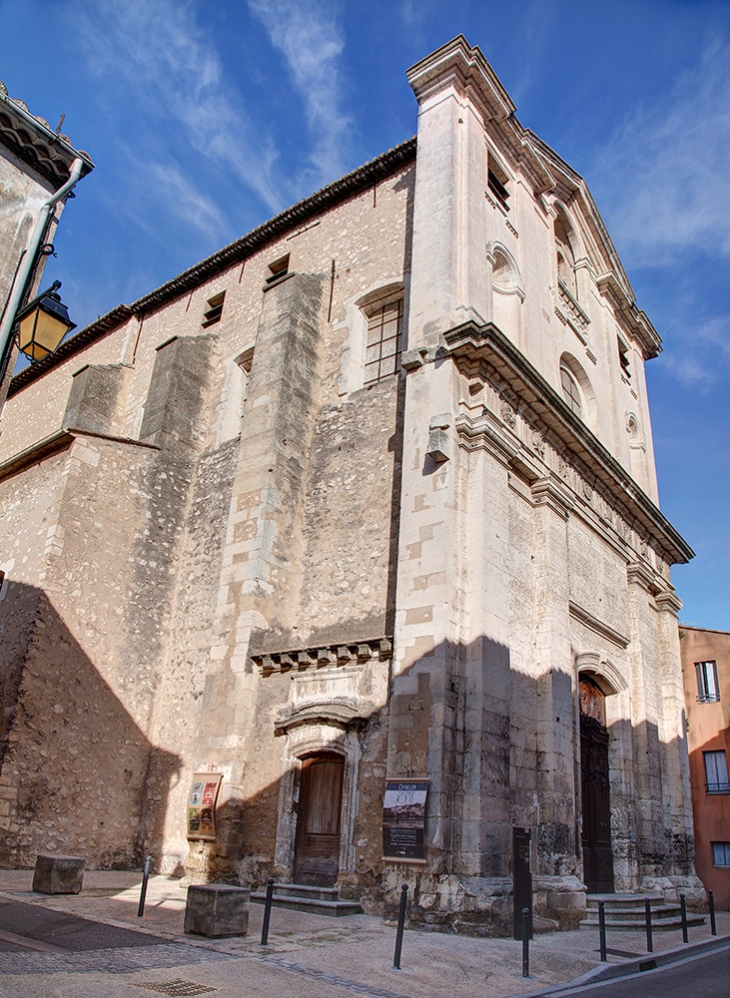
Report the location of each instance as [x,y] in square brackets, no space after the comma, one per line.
[43,323]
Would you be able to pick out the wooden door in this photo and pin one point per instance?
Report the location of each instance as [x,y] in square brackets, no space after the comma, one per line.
[596,801]
[317,851]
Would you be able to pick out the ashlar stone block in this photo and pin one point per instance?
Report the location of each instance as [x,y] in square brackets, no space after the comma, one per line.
[217,910]
[58,874]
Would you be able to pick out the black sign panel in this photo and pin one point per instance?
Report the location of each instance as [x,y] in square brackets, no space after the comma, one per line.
[404,819]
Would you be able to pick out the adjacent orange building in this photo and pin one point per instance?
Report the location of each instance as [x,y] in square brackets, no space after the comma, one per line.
[706,670]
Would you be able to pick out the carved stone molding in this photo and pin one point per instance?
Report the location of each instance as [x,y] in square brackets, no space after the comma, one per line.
[327,656]
[548,492]
[597,626]
[641,575]
[339,713]
[667,601]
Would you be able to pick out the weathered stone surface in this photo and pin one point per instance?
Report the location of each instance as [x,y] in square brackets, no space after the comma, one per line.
[217,910]
[243,556]
[59,874]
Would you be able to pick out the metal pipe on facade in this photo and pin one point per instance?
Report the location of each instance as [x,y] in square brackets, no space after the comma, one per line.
[29,259]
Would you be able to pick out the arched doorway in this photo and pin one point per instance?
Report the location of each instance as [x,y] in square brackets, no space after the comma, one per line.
[317,846]
[595,789]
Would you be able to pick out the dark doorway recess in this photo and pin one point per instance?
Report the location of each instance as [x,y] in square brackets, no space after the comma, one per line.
[596,801]
[317,852]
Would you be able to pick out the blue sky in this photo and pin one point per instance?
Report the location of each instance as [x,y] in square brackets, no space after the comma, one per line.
[204,119]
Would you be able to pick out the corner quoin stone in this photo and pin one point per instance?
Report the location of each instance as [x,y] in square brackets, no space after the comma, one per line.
[216,910]
[58,874]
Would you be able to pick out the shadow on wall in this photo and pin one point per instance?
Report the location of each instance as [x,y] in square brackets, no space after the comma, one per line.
[505,751]
[78,774]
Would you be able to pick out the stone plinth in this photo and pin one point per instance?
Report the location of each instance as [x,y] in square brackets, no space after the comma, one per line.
[59,874]
[217,910]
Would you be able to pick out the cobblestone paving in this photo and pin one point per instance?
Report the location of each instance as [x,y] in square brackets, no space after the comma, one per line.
[125,960]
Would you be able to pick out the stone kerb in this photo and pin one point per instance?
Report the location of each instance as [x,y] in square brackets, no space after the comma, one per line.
[217,910]
[58,874]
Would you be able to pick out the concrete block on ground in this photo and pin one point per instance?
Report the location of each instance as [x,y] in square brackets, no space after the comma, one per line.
[59,874]
[217,910]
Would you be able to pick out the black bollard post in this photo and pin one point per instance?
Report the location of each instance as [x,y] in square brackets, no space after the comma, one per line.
[401,926]
[267,911]
[649,937]
[602,928]
[713,923]
[143,892]
[525,942]
[685,934]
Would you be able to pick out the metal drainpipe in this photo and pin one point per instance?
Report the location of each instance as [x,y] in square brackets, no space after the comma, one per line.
[21,278]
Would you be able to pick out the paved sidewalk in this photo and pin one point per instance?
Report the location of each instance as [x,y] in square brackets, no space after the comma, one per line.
[308,955]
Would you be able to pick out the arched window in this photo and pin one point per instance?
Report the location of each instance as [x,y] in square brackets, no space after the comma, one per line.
[571,391]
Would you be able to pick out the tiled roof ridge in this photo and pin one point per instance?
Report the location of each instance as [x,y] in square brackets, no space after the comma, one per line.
[334,193]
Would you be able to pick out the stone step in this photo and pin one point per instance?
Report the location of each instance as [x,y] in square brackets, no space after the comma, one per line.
[657,924]
[623,900]
[314,900]
[307,891]
[637,914]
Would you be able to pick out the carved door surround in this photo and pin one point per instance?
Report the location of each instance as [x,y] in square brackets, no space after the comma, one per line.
[324,739]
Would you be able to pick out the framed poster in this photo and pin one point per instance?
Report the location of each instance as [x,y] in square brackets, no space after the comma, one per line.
[201,805]
[404,820]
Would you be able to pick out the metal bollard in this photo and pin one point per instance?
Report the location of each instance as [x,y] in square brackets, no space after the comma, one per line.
[267,911]
[143,892]
[713,923]
[525,942]
[602,928]
[649,936]
[685,934]
[401,926]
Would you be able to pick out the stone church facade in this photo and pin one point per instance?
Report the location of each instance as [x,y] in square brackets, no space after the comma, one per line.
[365,498]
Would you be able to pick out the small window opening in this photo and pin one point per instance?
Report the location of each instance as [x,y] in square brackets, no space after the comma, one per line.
[716,775]
[721,853]
[214,311]
[708,690]
[279,268]
[623,358]
[383,346]
[497,181]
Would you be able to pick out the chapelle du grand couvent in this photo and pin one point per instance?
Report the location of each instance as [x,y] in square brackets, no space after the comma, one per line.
[338,558]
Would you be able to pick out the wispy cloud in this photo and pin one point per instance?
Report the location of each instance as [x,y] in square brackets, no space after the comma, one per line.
[308,36]
[663,176]
[159,55]
[703,362]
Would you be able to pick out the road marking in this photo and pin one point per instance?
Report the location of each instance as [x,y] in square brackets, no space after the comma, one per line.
[11,937]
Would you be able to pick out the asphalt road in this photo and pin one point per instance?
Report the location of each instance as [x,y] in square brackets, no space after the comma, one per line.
[706,976]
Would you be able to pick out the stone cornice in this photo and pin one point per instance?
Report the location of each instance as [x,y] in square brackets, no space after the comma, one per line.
[471,342]
[323,656]
[640,574]
[463,67]
[668,602]
[637,322]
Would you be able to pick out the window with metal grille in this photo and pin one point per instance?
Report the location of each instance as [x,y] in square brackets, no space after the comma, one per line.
[708,690]
[383,344]
[721,853]
[716,778]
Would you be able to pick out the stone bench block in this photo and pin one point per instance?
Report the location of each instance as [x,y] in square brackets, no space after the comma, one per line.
[217,910]
[59,874]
